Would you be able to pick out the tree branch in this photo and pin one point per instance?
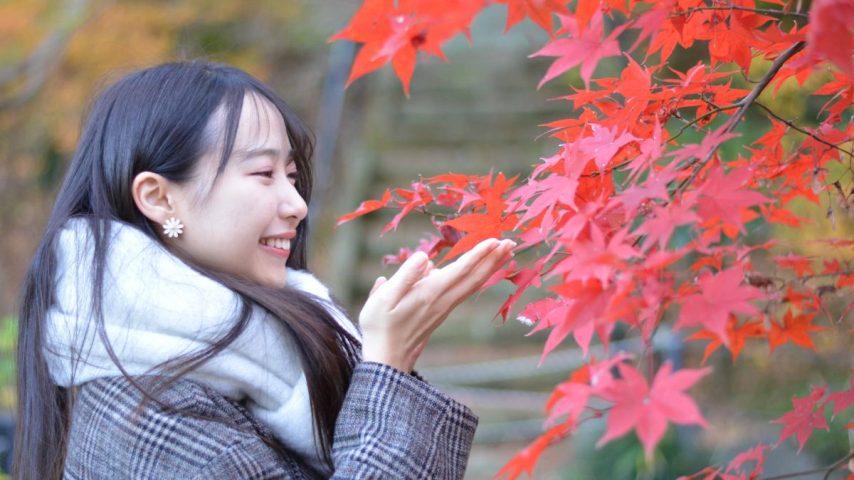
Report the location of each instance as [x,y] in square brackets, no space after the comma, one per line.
[805,132]
[744,104]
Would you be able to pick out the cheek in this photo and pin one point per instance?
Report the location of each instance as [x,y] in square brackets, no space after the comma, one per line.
[243,202]
[228,225]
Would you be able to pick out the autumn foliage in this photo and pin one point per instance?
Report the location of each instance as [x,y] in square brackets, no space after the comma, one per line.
[638,217]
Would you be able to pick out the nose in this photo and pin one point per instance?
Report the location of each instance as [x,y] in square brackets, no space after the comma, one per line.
[291,204]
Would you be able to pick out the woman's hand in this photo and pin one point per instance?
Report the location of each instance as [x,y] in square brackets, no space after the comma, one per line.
[402,312]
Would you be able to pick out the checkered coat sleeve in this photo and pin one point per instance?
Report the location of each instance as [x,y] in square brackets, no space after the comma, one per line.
[392,425]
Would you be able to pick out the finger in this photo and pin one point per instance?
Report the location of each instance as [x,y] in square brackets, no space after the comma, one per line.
[377,283]
[440,281]
[450,285]
[455,271]
[410,272]
[490,251]
[480,273]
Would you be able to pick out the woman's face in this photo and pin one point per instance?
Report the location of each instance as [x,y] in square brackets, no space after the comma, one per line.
[242,223]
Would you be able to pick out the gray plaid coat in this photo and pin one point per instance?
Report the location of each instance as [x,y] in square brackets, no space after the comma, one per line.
[392,425]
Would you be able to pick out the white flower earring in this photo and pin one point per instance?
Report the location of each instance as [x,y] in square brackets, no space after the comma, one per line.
[173,228]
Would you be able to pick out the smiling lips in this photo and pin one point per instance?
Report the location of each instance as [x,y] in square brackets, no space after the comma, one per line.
[278,246]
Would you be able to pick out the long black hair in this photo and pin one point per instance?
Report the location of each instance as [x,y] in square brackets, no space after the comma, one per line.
[155,120]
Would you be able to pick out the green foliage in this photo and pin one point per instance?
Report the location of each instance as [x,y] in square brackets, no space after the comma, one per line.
[8,338]
[677,454]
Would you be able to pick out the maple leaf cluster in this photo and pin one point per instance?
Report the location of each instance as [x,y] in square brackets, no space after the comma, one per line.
[807,415]
[630,221]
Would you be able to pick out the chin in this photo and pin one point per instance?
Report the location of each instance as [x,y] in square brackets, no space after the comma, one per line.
[275,281]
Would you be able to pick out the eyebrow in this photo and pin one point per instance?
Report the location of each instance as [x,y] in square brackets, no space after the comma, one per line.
[246,154]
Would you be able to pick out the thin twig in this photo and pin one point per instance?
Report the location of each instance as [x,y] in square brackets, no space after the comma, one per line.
[822,275]
[701,117]
[606,171]
[766,11]
[805,132]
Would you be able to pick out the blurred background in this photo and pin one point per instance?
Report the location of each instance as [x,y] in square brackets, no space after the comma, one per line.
[478,113]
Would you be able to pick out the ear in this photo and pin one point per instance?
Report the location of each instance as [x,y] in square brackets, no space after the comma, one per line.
[153,195]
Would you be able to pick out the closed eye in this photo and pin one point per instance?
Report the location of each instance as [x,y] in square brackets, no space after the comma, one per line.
[265,173]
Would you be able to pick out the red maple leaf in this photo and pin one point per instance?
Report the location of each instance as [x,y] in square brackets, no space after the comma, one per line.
[721,295]
[842,400]
[653,187]
[366,207]
[650,22]
[755,454]
[479,226]
[603,144]
[724,196]
[831,267]
[733,40]
[784,216]
[568,399]
[680,29]
[800,264]
[803,418]
[539,11]
[596,258]
[522,279]
[651,150]
[647,409]
[659,228]
[795,329]
[395,30]
[845,281]
[586,48]
[409,200]
[804,299]
[708,144]
[458,180]
[580,309]
[489,192]
[548,194]
[830,34]
[526,459]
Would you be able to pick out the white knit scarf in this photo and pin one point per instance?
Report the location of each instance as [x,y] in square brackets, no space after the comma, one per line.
[155,308]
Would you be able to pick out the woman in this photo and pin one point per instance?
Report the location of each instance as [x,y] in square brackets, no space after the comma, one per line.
[169,328]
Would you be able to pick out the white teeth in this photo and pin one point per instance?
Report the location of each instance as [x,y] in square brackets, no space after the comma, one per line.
[280,243]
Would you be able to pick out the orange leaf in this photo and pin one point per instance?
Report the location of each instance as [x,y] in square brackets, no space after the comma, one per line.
[795,329]
[526,459]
